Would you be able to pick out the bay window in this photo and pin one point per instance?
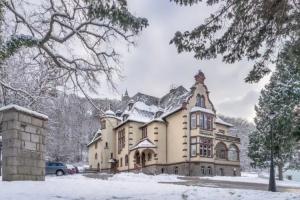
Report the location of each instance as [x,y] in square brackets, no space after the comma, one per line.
[203,144]
[205,147]
[202,120]
[193,121]
[193,146]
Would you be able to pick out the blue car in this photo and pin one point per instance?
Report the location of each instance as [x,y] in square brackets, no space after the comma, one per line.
[57,168]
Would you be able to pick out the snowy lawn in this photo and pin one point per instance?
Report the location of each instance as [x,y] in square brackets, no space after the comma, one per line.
[125,186]
[254,178]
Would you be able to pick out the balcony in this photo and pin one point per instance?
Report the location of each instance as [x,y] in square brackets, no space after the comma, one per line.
[227,138]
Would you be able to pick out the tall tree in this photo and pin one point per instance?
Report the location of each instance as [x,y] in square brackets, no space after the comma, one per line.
[76,40]
[281,95]
[251,29]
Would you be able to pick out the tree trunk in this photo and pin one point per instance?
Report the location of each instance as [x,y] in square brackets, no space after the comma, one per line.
[280,171]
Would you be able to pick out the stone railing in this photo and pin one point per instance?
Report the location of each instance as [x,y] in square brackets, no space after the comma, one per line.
[227,138]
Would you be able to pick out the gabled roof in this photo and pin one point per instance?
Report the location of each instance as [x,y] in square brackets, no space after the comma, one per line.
[145,107]
[222,122]
[145,98]
[97,136]
[144,143]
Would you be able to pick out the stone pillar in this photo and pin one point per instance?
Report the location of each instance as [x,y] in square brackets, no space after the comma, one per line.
[0,154]
[23,137]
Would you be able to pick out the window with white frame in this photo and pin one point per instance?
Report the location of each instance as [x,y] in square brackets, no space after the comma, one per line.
[193,146]
[193,121]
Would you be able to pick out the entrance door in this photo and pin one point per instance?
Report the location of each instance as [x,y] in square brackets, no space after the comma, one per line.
[113,167]
[143,159]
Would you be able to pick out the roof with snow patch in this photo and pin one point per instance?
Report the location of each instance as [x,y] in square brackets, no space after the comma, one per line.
[97,136]
[145,107]
[222,122]
[24,110]
[144,143]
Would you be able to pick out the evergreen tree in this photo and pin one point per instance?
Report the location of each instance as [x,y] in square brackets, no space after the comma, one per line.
[252,29]
[281,95]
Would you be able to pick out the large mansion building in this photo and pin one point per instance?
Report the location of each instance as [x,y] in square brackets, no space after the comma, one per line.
[179,133]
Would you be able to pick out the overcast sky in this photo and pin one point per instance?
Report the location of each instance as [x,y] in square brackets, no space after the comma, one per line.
[153,65]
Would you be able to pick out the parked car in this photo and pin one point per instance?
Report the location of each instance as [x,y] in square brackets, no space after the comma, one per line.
[82,168]
[77,170]
[70,169]
[57,168]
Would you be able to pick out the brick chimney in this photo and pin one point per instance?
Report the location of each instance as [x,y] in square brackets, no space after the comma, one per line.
[199,77]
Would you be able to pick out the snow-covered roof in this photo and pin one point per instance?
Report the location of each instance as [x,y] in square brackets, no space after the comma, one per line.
[167,113]
[197,108]
[140,112]
[144,143]
[110,112]
[145,107]
[24,110]
[220,121]
[154,120]
[96,137]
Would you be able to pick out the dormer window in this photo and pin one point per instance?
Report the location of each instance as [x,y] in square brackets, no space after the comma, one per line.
[130,104]
[158,114]
[200,101]
[125,117]
[118,113]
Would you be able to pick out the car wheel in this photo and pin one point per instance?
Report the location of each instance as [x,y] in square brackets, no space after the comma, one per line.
[59,173]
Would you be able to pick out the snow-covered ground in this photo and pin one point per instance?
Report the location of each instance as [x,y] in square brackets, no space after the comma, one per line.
[125,186]
[254,178]
[295,174]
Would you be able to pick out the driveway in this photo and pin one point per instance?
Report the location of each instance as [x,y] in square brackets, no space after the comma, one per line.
[196,181]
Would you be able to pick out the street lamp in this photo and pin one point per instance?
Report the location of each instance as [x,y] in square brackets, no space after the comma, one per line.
[272,183]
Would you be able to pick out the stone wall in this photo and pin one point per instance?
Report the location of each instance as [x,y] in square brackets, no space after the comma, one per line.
[23,135]
[196,169]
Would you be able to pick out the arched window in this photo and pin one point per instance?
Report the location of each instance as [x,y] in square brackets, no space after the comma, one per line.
[202,170]
[205,147]
[96,156]
[126,160]
[106,145]
[209,170]
[233,153]
[221,151]
[103,124]
[137,157]
[200,101]
[149,156]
